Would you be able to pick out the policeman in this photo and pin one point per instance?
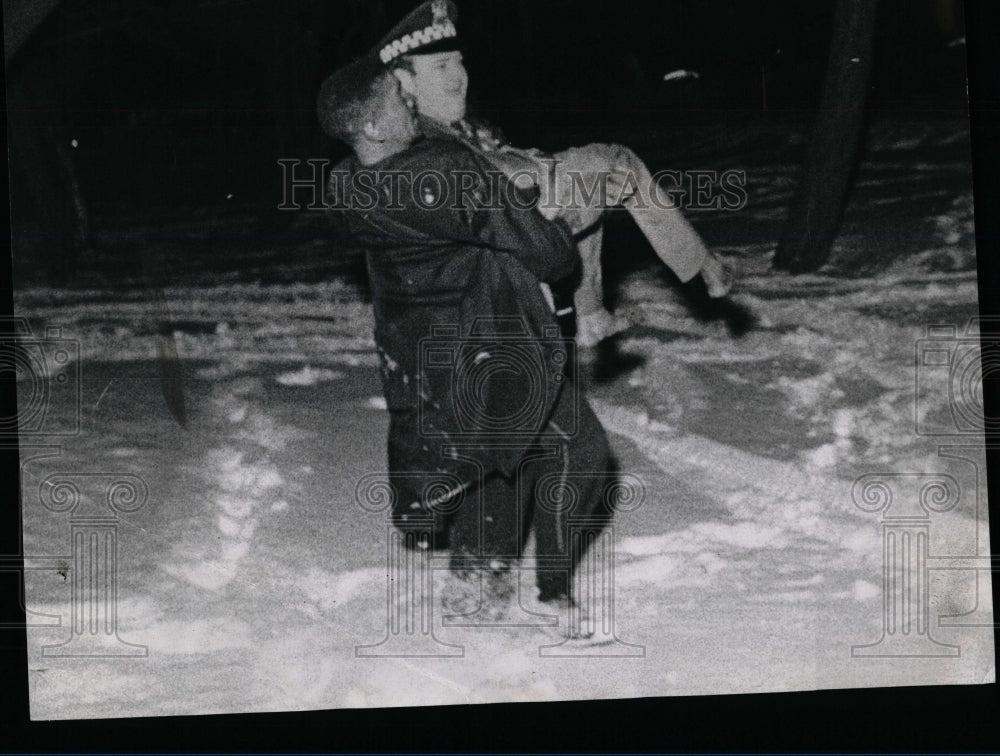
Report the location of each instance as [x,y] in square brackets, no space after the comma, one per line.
[424,51]
[472,363]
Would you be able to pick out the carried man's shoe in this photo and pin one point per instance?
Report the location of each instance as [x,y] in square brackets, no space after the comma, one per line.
[718,277]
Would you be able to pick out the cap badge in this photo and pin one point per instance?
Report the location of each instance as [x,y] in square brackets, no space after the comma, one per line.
[439,8]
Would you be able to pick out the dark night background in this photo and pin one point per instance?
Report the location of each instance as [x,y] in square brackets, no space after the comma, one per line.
[175,106]
[180,110]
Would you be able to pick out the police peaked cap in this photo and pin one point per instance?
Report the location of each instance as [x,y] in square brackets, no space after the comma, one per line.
[430,28]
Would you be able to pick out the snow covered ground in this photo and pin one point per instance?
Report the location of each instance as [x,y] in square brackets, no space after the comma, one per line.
[813,508]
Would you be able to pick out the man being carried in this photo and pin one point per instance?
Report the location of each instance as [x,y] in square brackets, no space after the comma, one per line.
[423,52]
[476,377]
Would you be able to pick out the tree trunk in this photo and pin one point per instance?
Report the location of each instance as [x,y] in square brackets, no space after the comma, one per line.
[817,210]
[83,237]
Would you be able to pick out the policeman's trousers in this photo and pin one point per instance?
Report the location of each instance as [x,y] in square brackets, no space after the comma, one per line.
[559,492]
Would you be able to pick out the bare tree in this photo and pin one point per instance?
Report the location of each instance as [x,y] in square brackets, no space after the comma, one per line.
[825,179]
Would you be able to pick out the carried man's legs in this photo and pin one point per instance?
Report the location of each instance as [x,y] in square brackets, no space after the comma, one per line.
[587,180]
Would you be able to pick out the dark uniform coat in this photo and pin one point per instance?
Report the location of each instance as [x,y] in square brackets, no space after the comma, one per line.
[471,357]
